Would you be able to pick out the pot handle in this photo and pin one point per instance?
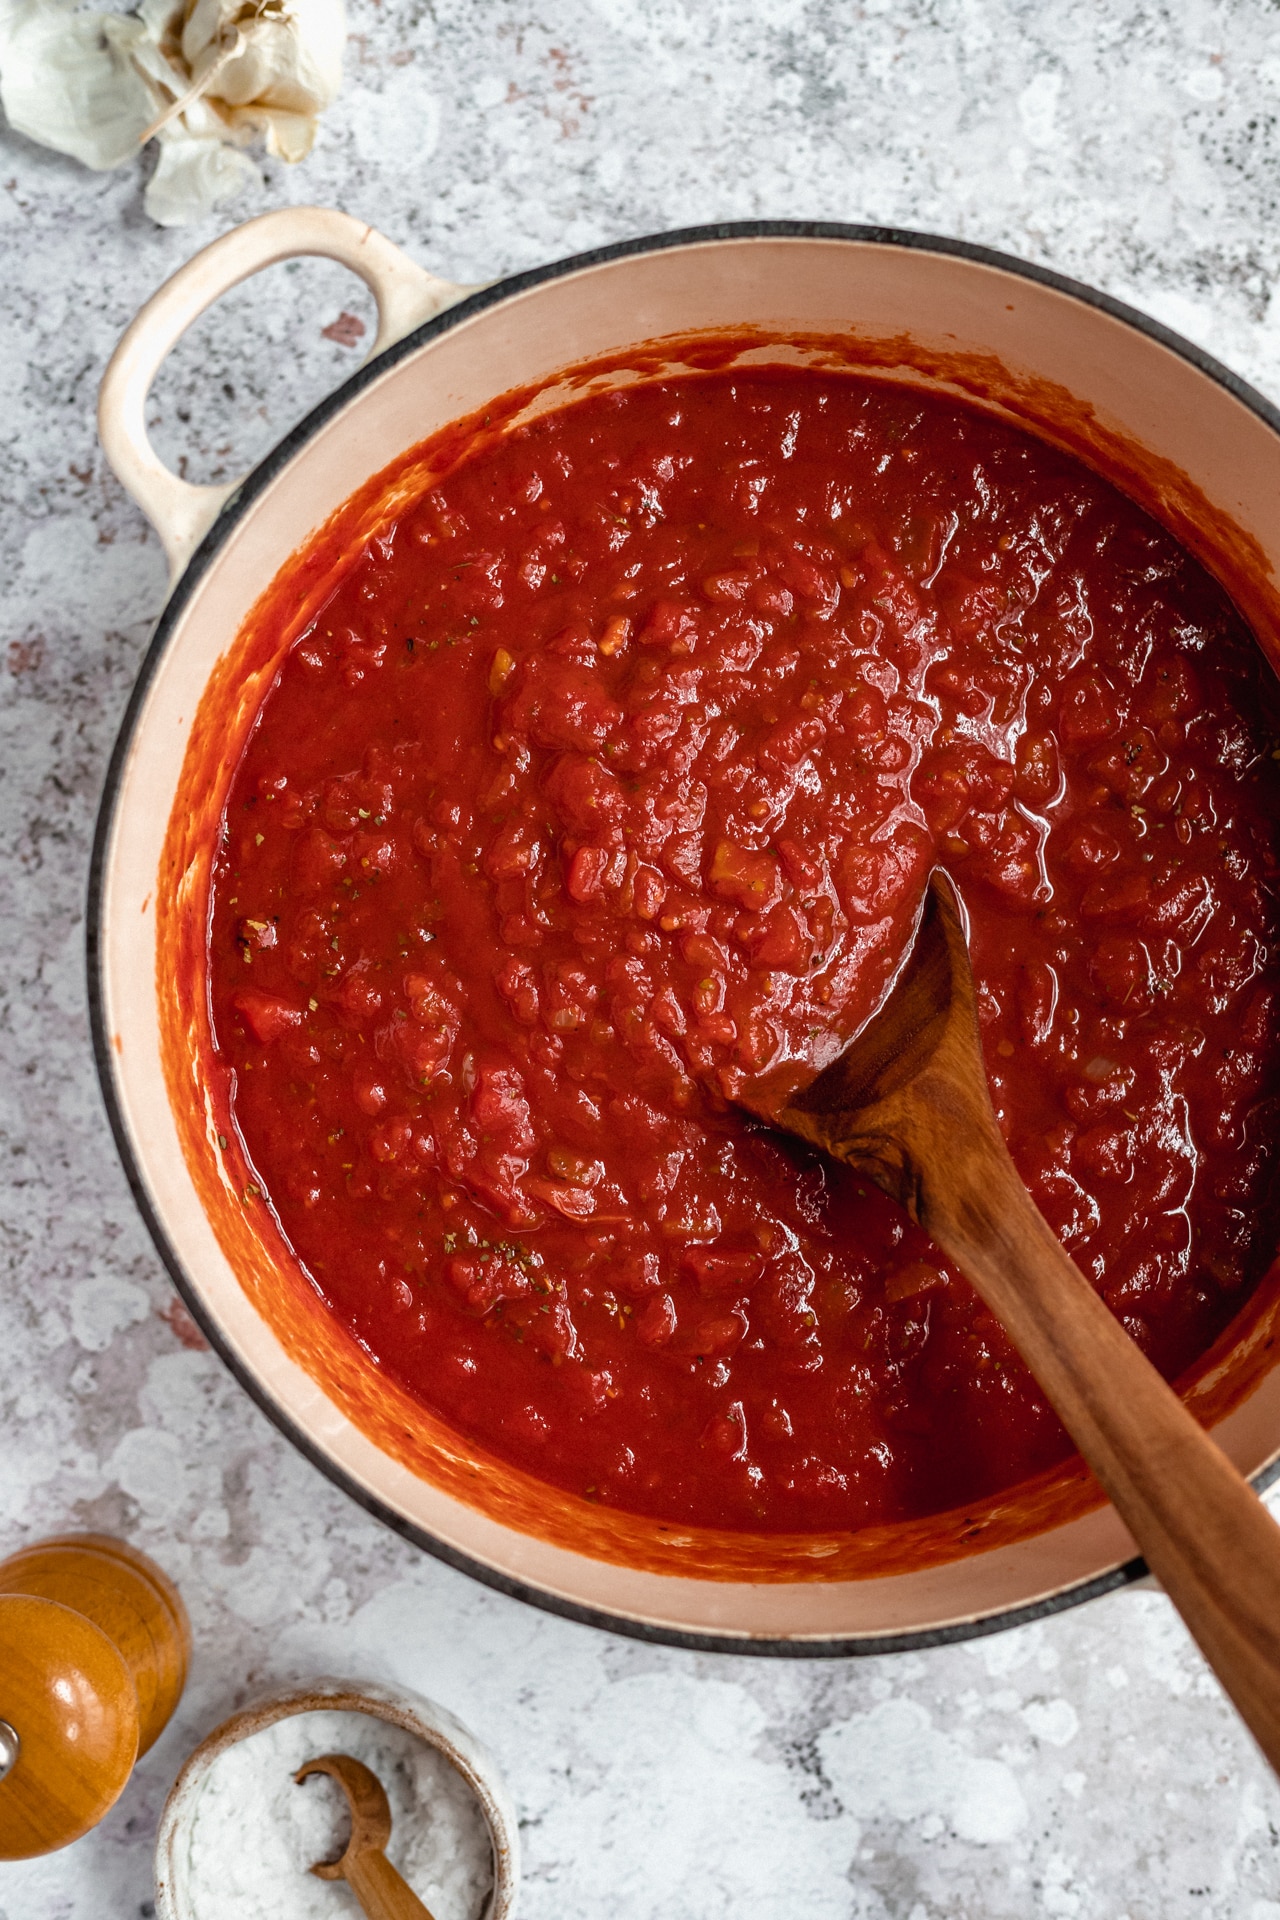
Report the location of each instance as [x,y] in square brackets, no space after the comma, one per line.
[406,295]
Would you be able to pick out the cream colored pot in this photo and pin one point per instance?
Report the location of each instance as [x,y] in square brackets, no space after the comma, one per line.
[1179,433]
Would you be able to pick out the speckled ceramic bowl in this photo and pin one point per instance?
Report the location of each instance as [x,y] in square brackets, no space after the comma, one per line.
[1177,432]
[434,1725]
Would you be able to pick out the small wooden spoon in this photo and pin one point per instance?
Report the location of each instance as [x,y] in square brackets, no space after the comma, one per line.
[364,1866]
[907,1103]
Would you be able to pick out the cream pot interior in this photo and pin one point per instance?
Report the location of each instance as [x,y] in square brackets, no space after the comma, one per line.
[1180,433]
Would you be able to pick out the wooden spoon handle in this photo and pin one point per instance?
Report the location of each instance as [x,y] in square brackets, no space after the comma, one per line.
[1204,1533]
[380,1890]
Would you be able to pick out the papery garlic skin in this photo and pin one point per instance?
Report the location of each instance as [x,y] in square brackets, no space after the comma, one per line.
[68,81]
[193,174]
[203,76]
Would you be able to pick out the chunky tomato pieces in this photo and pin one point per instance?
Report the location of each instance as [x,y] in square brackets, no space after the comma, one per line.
[612,774]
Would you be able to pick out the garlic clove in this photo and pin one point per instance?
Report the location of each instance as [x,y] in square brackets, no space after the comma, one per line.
[194,175]
[287,56]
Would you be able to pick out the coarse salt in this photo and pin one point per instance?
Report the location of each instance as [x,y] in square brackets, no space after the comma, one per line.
[255,1833]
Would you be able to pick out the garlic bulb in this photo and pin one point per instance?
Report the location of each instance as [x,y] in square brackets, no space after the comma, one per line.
[201,76]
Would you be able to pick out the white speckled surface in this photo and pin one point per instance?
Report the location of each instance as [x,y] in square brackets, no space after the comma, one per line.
[1085,1767]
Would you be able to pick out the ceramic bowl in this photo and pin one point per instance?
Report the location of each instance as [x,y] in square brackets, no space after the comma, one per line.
[1176,431]
[433,1724]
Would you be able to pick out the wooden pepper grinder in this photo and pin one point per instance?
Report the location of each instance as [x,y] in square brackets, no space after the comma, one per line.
[94,1644]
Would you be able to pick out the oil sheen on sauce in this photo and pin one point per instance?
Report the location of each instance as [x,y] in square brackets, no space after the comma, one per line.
[612,774]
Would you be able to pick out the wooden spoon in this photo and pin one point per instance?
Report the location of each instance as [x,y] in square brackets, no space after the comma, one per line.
[907,1103]
[364,1866]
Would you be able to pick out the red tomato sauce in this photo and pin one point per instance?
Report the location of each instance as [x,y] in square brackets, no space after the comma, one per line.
[612,774]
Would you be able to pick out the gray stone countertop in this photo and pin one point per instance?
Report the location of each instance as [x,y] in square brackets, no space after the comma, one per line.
[1086,1766]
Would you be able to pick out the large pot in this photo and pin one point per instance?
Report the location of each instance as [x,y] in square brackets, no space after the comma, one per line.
[1185,439]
